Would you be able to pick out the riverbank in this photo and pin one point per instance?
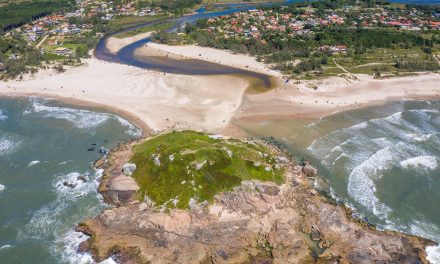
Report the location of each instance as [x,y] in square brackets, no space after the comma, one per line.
[257,221]
[224,57]
[114,44]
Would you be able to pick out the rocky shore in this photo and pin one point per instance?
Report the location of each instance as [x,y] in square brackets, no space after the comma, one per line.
[257,222]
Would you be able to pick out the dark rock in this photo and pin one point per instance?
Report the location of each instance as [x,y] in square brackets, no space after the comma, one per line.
[68,184]
[83,247]
[81,178]
[309,170]
[99,163]
[103,151]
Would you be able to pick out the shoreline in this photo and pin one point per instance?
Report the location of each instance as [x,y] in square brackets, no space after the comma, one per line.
[161,101]
[73,102]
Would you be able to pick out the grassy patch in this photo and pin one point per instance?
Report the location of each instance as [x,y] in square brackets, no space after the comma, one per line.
[178,166]
[155,27]
[126,21]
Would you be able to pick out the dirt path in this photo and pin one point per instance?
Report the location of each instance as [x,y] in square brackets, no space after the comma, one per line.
[345,70]
[41,42]
[435,57]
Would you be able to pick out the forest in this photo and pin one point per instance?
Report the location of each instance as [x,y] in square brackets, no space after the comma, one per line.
[14,15]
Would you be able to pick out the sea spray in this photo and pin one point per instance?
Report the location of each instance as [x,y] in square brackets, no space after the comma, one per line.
[45,168]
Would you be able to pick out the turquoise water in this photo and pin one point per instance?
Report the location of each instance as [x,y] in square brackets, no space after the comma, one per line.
[43,145]
[382,161]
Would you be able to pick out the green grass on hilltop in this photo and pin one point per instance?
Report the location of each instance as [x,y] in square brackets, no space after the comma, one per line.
[176,174]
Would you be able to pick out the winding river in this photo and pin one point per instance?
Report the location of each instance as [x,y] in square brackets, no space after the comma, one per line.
[188,66]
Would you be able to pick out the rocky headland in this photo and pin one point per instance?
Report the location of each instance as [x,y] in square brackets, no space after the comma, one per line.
[253,222]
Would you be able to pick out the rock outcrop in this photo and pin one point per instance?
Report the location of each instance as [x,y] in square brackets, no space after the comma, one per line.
[257,222]
[128,168]
[116,187]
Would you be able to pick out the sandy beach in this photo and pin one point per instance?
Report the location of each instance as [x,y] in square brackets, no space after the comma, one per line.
[114,44]
[224,57]
[331,95]
[162,101]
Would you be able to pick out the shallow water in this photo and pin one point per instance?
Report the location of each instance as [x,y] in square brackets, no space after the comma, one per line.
[382,161]
[44,147]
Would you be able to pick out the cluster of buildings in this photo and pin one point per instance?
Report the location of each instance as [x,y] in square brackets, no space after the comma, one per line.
[254,23]
[57,26]
[108,9]
[53,25]
[410,20]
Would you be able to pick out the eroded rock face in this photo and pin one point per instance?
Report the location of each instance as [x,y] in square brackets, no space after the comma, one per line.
[115,186]
[256,223]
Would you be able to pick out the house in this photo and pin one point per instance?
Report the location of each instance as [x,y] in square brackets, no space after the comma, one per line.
[62,51]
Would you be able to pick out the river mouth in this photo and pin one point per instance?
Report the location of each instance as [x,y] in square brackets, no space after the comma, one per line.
[129,55]
[384,161]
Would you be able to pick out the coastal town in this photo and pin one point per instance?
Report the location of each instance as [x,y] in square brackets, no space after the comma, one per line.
[307,40]
[219,131]
[66,37]
[300,21]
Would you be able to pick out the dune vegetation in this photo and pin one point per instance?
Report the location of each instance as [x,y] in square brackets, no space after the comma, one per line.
[179,167]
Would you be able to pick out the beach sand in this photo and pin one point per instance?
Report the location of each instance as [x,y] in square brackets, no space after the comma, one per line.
[224,57]
[331,95]
[160,100]
[163,101]
[114,44]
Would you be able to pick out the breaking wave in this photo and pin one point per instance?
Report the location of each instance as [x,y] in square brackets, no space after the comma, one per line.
[5,247]
[3,115]
[76,196]
[80,118]
[433,254]
[70,189]
[427,162]
[71,242]
[32,163]
[368,150]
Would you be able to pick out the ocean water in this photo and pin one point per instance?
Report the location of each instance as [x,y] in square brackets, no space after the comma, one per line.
[382,161]
[46,185]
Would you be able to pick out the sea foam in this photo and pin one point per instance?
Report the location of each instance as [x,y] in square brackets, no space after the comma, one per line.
[3,115]
[71,242]
[433,254]
[80,118]
[5,247]
[32,163]
[426,162]
[8,143]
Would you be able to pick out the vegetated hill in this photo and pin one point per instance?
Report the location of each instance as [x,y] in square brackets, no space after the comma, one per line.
[175,168]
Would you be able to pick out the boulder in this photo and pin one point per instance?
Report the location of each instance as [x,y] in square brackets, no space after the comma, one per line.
[128,168]
[68,184]
[81,178]
[309,170]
